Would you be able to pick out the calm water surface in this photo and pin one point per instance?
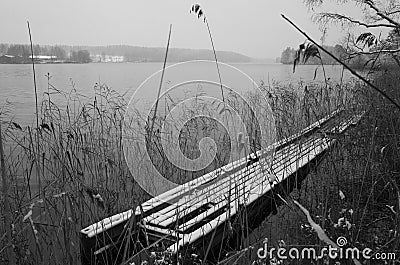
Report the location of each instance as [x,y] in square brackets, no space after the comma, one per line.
[17,92]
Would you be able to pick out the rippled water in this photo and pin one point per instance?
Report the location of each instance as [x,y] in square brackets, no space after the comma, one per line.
[17,91]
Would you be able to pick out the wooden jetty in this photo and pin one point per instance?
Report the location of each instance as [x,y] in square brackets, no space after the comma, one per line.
[214,212]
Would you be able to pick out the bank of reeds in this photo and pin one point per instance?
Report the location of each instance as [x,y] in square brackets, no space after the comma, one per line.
[81,177]
[77,154]
[353,194]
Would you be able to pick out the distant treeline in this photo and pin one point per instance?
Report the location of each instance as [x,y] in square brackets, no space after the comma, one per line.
[22,53]
[24,50]
[150,54]
[130,53]
[289,54]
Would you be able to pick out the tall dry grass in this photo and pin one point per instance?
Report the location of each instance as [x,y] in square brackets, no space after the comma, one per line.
[82,171]
[354,193]
[84,176]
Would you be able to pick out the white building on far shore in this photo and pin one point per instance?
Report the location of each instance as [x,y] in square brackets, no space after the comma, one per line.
[107,58]
[43,57]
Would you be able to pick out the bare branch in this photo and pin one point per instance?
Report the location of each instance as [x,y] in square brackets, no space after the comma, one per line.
[383,93]
[376,52]
[392,13]
[381,14]
[341,18]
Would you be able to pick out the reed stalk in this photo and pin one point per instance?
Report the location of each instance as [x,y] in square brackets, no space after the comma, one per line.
[37,109]
[6,213]
[161,82]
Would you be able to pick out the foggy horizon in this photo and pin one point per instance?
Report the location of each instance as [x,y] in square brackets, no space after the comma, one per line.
[155,47]
[256,30]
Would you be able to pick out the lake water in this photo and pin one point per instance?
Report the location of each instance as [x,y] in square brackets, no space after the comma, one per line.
[17,91]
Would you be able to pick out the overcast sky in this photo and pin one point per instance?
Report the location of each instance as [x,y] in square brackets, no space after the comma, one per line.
[254,28]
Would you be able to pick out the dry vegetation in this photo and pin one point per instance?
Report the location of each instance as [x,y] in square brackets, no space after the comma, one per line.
[64,175]
[71,171]
[354,193]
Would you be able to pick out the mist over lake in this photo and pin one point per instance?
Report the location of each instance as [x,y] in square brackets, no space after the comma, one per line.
[17,93]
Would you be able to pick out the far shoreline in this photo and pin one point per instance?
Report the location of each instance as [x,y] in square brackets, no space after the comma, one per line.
[145,62]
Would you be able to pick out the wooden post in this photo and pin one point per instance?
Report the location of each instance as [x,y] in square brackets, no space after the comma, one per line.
[6,211]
